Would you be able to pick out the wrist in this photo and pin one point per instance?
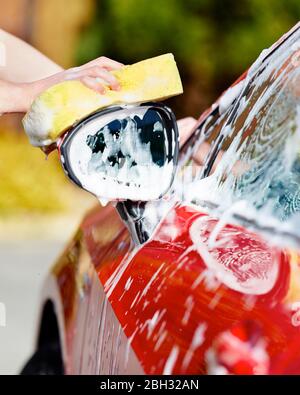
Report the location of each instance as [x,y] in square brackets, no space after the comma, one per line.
[24,96]
[14,97]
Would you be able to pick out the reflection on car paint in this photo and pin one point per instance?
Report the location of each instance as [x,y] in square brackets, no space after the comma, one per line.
[262,132]
[171,294]
[204,294]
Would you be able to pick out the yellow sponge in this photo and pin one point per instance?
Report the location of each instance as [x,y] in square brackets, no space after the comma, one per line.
[62,105]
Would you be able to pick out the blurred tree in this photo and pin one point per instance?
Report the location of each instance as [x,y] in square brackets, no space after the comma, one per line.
[213,41]
[14,17]
[56,26]
[27,183]
[47,26]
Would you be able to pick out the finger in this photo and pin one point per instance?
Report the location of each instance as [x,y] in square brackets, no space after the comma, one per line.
[200,156]
[240,168]
[104,62]
[106,77]
[92,83]
[185,127]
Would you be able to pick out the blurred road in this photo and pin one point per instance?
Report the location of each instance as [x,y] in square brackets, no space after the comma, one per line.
[23,268]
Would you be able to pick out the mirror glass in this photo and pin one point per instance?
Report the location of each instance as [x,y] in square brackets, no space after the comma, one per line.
[125,153]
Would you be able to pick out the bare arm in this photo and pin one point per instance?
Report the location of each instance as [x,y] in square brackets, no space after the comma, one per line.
[20,62]
[25,73]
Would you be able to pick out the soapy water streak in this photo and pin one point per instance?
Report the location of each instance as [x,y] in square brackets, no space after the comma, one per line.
[124,152]
[257,176]
[260,139]
[238,259]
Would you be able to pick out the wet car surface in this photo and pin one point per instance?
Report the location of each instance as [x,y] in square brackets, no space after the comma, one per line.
[206,281]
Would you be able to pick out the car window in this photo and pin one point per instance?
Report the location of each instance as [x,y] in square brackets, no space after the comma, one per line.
[254,137]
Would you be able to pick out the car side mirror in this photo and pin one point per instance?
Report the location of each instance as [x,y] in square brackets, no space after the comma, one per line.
[123,153]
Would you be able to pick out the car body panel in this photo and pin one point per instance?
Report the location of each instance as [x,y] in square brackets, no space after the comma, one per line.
[168,302]
[201,295]
[89,345]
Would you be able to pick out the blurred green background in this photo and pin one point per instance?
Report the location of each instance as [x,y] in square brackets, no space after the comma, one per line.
[213,42]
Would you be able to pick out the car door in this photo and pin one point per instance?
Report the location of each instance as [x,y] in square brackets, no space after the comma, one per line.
[212,284]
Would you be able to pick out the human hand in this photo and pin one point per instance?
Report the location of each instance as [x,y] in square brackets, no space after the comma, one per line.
[95,75]
[17,97]
[186,127]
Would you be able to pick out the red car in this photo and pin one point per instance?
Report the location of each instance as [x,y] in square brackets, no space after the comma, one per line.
[207,280]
